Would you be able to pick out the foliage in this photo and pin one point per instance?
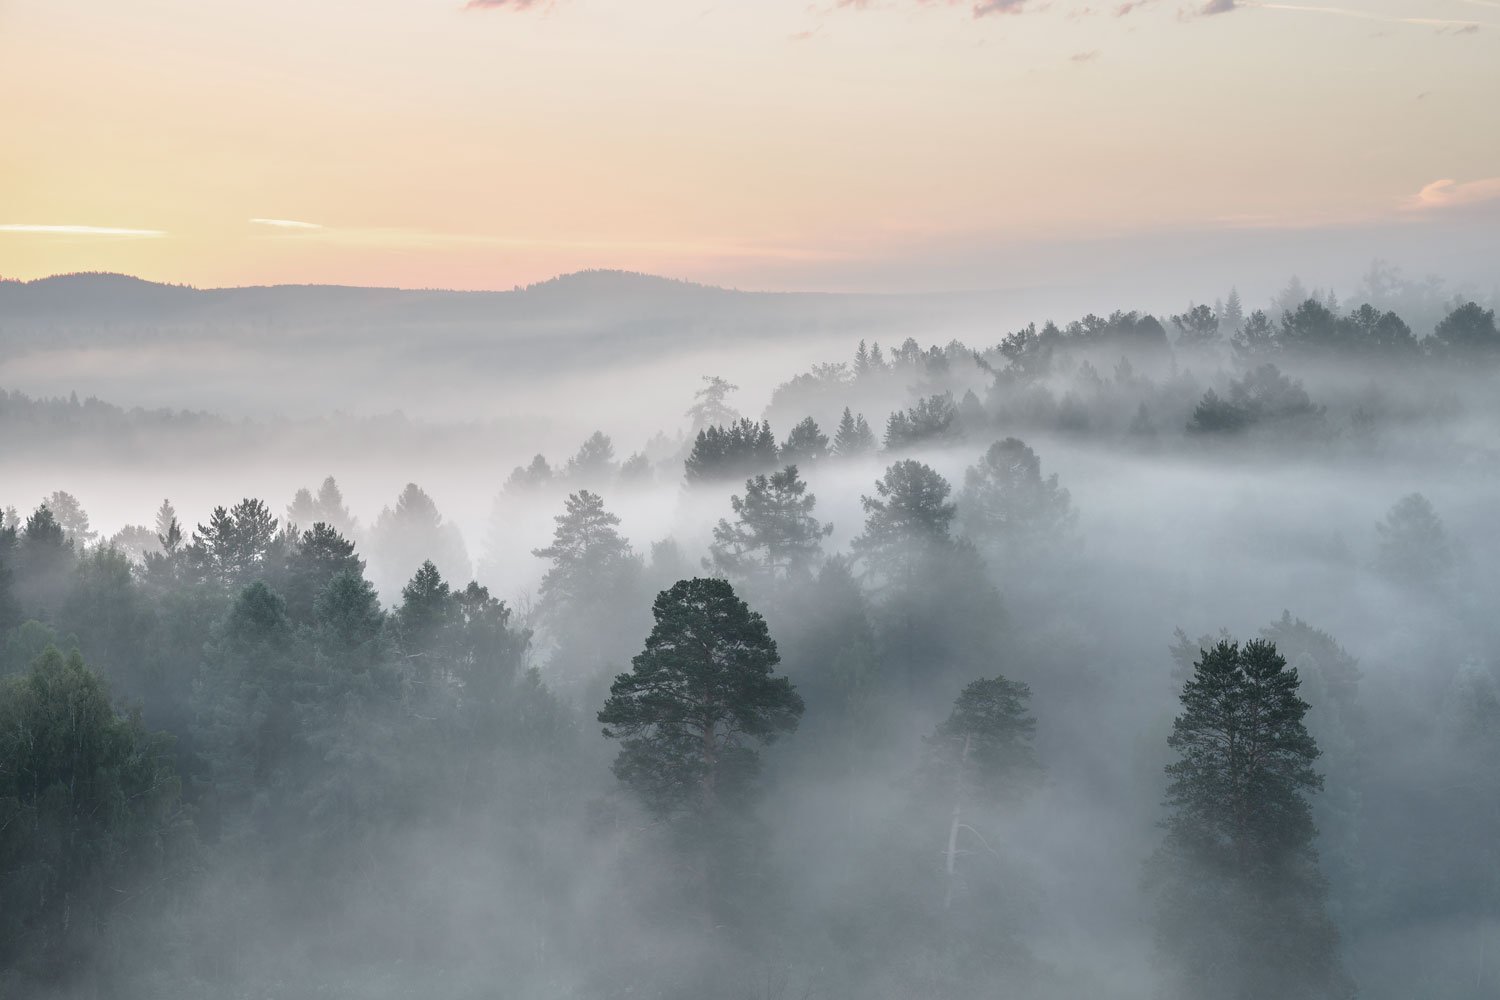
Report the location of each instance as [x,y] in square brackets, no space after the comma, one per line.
[1240,900]
[739,449]
[697,700]
[89,816]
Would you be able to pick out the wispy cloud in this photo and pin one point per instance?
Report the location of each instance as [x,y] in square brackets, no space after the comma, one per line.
[979,8]
[1083,57]
[286,223]
[1449,193]
[1213,7]
[984,8]
[1459,25]
[79,230]
[504,4]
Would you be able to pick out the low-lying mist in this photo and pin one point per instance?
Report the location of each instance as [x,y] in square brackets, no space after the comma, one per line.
[318,761]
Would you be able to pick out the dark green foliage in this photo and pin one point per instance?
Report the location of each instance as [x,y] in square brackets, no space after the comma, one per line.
[1240,901]
[10,606]
[1310,329]
[236,546]
[423,617]
[1413,545]
[774,535]
[315,558]
[805,445]
[1369,331]
[88,815]
[1264,397]
[697,700]
[1468,331]
[854,436]
[984,747]
[114,620]
[720,452]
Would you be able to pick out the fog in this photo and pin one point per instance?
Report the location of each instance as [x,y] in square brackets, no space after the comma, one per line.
[413,795]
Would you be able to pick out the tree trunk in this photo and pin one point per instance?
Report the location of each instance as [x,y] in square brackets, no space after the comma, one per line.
[952,853]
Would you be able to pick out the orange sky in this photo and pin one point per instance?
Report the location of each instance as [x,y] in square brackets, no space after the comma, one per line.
[424,144]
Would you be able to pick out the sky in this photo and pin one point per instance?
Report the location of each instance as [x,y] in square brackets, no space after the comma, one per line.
[861,145]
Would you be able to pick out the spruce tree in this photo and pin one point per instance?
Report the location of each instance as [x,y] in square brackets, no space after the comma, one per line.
[853,437]
[805,445]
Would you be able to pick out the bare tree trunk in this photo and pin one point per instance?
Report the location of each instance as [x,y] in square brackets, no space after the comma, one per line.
[958,796]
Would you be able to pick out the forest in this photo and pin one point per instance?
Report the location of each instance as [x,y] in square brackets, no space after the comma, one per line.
[1126,657]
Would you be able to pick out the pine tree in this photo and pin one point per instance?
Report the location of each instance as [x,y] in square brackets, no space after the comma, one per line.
[710,410]
[587,554]
[981,752]
[1240,901]
[697,700]
[589,595]
[236,546]
[775,535]
[594,462]
[906,522]
[72,518]
[1008,506]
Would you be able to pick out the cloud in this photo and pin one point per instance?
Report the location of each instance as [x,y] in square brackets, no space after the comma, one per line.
[502,4]
[1083,57]
[1217,7]
[286,223]
[1449,193]
[1451,25]
[79,230]
[984,8]
[980,8]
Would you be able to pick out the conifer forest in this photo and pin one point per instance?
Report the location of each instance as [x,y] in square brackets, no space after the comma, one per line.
[1122,657]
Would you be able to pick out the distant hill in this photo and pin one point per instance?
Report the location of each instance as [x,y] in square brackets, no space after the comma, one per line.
[118,299]
[308,349]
